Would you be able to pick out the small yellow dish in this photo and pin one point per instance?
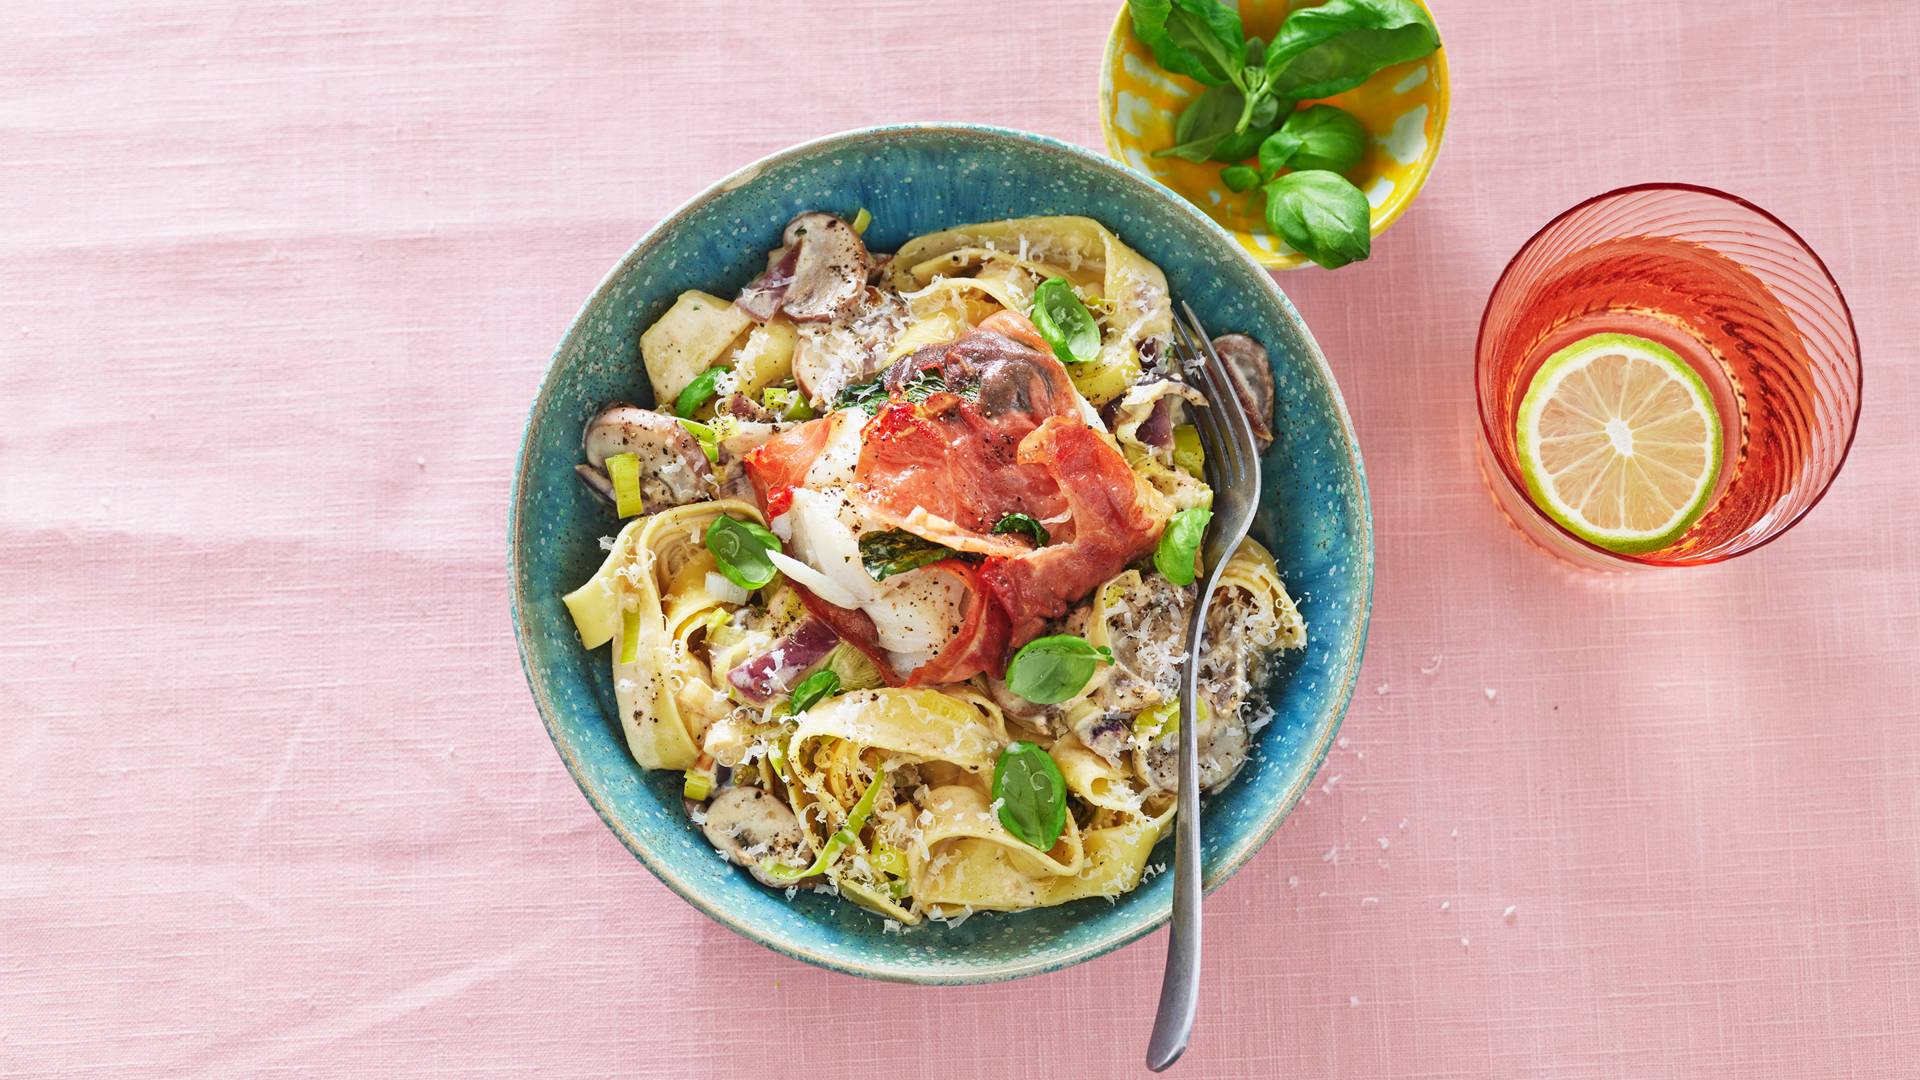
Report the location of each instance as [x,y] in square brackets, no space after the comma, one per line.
[1404,109]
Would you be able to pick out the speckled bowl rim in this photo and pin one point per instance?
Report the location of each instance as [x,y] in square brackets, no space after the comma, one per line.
[1141,923]
[1277,261]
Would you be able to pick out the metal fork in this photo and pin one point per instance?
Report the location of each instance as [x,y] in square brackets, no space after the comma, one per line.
[1233,471]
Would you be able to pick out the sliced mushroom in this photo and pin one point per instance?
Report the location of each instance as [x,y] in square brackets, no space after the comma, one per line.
[1145,633]
[1251,374]
[673,469]
[1106,734]
[826,361]
[831,270]
[747,825]
[1222,742]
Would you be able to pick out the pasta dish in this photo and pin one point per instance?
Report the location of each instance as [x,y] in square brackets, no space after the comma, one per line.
[909,551]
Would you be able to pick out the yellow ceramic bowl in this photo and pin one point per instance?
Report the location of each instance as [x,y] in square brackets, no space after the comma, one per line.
[1403,107]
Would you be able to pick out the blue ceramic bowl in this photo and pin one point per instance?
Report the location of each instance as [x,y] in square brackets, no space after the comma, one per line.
[916,179]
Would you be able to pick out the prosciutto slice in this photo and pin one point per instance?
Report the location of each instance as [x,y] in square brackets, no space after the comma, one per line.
[949,469]
[1116,519]
[1006,434]
[1008,437]
[780,464]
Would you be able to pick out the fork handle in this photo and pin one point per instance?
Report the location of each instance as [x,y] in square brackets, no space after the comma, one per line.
[1180,985]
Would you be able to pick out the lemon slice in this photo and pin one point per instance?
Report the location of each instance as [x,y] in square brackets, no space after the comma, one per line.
[1619,441]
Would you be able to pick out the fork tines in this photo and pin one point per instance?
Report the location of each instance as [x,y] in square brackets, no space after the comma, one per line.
[1224,431]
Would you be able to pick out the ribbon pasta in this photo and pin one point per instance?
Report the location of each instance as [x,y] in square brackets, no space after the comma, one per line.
[1006,260]
[650,593]
[890,790]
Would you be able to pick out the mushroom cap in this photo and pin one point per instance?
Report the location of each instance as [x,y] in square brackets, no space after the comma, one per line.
[1251,375]
[1222,742]
[830,270]
[1106,734]
[674,470]
[747,824]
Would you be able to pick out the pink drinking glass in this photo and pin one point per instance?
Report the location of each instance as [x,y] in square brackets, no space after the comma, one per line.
[1743,300]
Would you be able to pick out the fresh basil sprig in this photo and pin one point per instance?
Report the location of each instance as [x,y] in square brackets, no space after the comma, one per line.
[740,549]
[1247,108]
[696,393]
[1049,670]
[1204,123]
[1321,215]
[1025,525]
[1317,137]
[1031,794]
[1065,322]
[1200,39]
[1260,115]
[812,690]
[1210,127]
[896,551]
[1177,553]
[1322,51]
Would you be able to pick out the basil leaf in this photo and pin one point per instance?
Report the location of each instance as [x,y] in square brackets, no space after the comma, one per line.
[870,396]
[812,690]
[1049,670]
[1322,216]
[1244,144]
[1200,39]
[740,548]
[1031,793]
[1321,51]
[896,551]
[1207,121]
[760,533]
[1255,53]
[1065,322]
[1317,137]
[1025,524]
[1177,554]
[696,393]
[1240,177]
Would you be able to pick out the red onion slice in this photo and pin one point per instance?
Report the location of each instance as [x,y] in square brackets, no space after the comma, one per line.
[775,671]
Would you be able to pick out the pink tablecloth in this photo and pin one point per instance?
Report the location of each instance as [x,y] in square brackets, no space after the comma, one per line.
[277,282]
